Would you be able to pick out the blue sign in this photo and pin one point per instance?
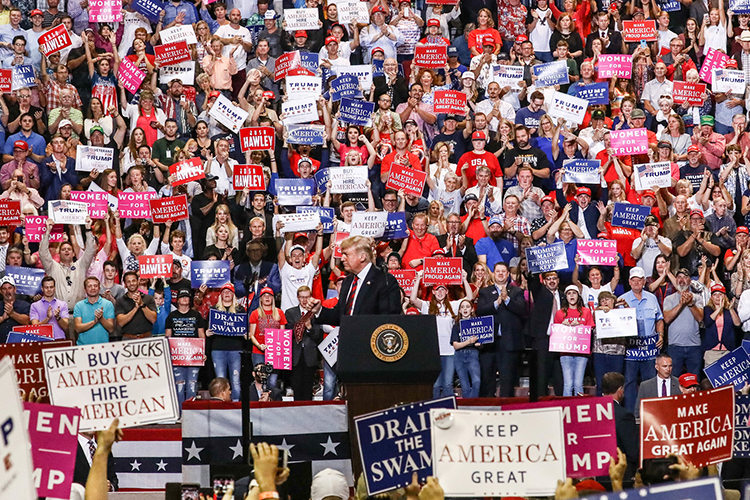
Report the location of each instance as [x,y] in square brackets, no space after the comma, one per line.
[295,191]
[629,215]
[212,273]
[732,368]
[549,74]
[548,258]
[396,442]
[311,135]
[741,428]
[483,328]
[594,93]
[708,488]
[345,86]
[739,6]
[395,227]
[356,112]
[377,68]
[28,280]
[149,8]
[672,6]
[321,180]
[227,323]
[641,348]
[20,338]
[326,216]
[579,171]
[309,61]
[23,76]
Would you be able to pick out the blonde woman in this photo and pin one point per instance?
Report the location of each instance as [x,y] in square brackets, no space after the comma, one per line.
[741,278]
[481,277]
[135,247]
[226,349]
[223,217]
[436,221]
[267,315]
[441,164]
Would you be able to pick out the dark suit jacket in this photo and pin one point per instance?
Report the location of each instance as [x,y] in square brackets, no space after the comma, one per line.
[275,393]
[469,255]
[542,312]
[400,90]
[81,470]
[627,438]
[615,42]
[310,340]
[590,213]
[378,294]
[509,318]
[649,389]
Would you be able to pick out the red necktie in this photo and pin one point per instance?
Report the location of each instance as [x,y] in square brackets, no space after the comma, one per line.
[664,388]
[352,292]
[299,327]
[455,245]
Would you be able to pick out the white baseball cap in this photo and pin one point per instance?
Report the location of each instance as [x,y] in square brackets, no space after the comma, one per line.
[329,483]
[637,272]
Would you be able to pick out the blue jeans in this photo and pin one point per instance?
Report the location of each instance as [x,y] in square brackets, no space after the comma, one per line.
[228,362]
[444,384]
[466,361]
[685,359]
[261,358]
[647,370]
[186,381]
[605,363]
[544,56]
[573,368]
[722,129]
[329,382]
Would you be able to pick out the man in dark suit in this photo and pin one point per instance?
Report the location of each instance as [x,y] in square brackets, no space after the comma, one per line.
[305,354]
[613,385]
[611,39]
[366,290]
[582,203]
[457,245]
[547,301]
[661,386]
[506,303]
[87,445]
[250,277]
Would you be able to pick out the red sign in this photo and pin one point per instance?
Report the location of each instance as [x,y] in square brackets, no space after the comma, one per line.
[29,364]
[186,171]
[257,138]
[39,330]
[10,212]
[406,178]
[189,93]
[698,426]
[36,225]
[6,80]
[431,56]
[155,266]
[690,92]
[340,237]
[187,351]
[284,63]
[54,40]
[451,102]
[635,31]
[249,176]
[98,202]
[173,53]
[299,71]
[405,278]
[443,271]
[169,209]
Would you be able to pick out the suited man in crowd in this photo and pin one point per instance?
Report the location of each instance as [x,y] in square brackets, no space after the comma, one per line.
[548,299]
[306,337]
[613,385]
[507,304]
[611,39]
[454,244]
[582,205]
[251,276]
[87,445]
[661,386]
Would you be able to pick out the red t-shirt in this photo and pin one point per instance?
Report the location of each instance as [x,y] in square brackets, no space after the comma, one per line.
[474,160]
[260,334]
[405,159]
[475,230]
[624,238]
[294,162]
[477,38]
[611,174]
[134,58]
[419,248]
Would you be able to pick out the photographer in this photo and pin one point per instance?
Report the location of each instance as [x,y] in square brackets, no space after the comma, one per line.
[260,390]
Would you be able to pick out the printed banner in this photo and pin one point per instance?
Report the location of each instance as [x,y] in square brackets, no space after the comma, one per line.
[326,214]
[17,473]
[570,339]
[547,258]
[732,369]
[311,135]
[431,56]
[483,328]
[741,427]
[185,71]
[284,63]
[739,6]
[303,86]
[705,489]
[348,179]
[186,171]
[67,212]
[279,348]
[329,348]
[227,323]
[257,138]
[713,59]
[508,76]
[173,53]
[178,33]
[310,61]
[10,212]
[295,191]
[549,74]
[582,171]
[570,108]
[355,112]
[398,435]
[149,8]
[187,351]
[649,175]
[6,80]
[616,323]
[629,215]
[38,330]
[143,394]
[395,229]
[594,93]
[36,225]
[597,252]
[635,31]
[22,338]
[299,111]
[130,75]
[169,209]
[405,279]
[135,205]
[443,271]
[615,66]
[633,141]
[29,364]
[353,11]
[105,11]
[692,93]
[89,158]
[212,273]
[228,114]
[346,86]
[339,238]
[371,224]
[451,102]
[641,348]
[699,426]
[96,201]
[250,177]
[406,178]
[22,76]
[28,280]
[728,80]
[54,40]
[298,222]
[301,19]
[362,71]
[155,266]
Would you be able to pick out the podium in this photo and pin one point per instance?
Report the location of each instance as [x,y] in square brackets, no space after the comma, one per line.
[385,361]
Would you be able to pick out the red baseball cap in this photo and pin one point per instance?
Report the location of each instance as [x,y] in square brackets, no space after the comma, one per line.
[214,94]
[21,145]
[522,38]
[550,198]
[731,63]
[583,190]
[36,12]
[433,22]
[301,33]
[590,485]
[377,8]
[650,193]
[331,39]
[488,40]
[265,290]
[688,380]
[478,134]
[377,49]
[268,94]
[300,235]
[742,229]
[718,288]
[694,147]
[227,286]
[696,211]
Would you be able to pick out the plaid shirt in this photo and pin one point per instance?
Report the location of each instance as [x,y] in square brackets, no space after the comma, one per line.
[519,224]
[52,92]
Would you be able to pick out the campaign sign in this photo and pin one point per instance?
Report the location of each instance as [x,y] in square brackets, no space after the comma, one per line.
[28,280]
[345,86]
[355,112]
[629,215]
[348,179]
[6,80]
[187,351]
[670,6]
[547,258]
[731,369]
[739,6]
[395,228]
[284,63]
[295,191]
[697,426]
[54,40]
[713,59]
[53,432]
[173,53]
[257,138]
[155,266]
[451,102]
[353,11]
[250,177]
[549,74]
[398,435]
[89,158]
[405,278]
[582,171]
[184,71]
[130,75]
[23,76]
[16,475]
[303,85]
[648,175]
[370,224]
[326,215]
[10,212]
[96,201]
[149,8]
[594,93]
[508,76]
[329,348]
[212,273]
[227,323]
[27,359]
[170,209]
[229,115]
[279,348]
[298,222]
[571,109]
[635,31]
[465,441]
[68,212]
[589,426]
[38,330]
[22,338]
[483,328]
[431,56]
[615,66]
[708,488]
[570,339]
[616,323]
[178,33]
[443,271]
[741,426]
[36,225]
[299,111]
[131,380]
[321,179]
[632,141]
[406,178]
[311,135]
[135,205]
[728,80]
[105,11]
[301,19]
[339,238]
[597,252]
[361,71]
[309,61]
[186,171]
[692,93]
[641,348]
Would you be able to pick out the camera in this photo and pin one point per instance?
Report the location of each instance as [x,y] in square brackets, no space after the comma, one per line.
[262,372]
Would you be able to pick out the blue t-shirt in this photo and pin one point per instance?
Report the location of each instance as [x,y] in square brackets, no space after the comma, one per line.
[501,250]
[529,118]
[34,141]
[455,141]
[86,310]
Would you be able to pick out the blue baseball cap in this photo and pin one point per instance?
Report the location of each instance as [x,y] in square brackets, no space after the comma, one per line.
[452,51]
[495,219]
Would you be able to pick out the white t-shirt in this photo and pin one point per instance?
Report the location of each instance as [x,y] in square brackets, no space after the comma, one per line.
[716,38]
[291,280]
[451,201]
[444,325]
[542,33]
[591,296]
[344,52]
[650,252]
[240,56]
[224,183]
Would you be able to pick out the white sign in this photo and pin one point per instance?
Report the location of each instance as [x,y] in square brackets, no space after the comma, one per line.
[177,34]
[131,380]
[111,200]
[297,222]
[348,180]
[300,111]
[17,471]
[68,212]
[728,80]
[507,76]
[498,453]
[303,86]
[363,72]
[568,107]
[616,323]
[89,158]
[301,19]
[648,175]
[229,115]
[370,224]
[185,71]
[329,348]
[353,11]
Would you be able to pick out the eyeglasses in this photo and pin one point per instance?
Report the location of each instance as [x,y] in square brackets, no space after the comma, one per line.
[390,200]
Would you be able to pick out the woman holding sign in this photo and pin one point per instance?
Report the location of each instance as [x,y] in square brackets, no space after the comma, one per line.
[266,316]
[573,313]
[609,354]
[467,354]
[720,319]
[225,349]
